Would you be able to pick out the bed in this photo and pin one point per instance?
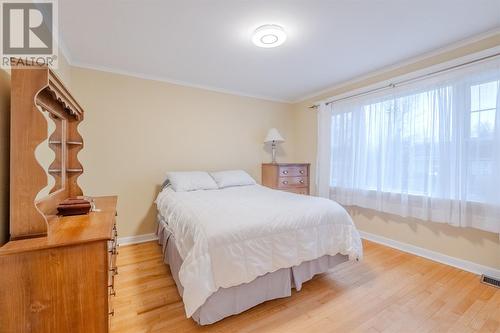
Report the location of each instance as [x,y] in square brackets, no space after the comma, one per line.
[230,249]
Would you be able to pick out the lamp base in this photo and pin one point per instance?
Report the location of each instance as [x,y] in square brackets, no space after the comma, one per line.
[273,151]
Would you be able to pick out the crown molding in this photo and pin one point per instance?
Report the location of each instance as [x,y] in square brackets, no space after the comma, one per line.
[404,63]
[385,84]
[176,82]
[75,63]
[65,51]
[450,47]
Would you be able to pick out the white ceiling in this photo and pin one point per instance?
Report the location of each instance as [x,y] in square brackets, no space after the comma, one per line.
[207,43]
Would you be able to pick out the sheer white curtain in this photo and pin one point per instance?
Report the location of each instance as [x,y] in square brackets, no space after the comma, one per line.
[429,150]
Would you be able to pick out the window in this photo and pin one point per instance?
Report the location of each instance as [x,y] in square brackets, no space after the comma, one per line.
[481,162]
[430,150]
[483,109]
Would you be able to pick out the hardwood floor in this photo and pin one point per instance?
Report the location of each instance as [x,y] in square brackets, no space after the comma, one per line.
[389,291]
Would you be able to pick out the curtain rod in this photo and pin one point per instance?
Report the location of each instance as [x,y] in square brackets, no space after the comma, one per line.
[393,85]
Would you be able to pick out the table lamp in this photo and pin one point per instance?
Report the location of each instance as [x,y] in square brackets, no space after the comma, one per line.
[274,137]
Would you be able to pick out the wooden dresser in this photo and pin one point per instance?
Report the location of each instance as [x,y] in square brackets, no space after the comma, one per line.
[290,177]
[56,273]
[63,282]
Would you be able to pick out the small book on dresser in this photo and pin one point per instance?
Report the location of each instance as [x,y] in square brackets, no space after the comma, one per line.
[290,177]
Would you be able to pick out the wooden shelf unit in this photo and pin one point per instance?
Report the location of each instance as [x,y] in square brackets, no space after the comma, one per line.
[36,90]
[57,273]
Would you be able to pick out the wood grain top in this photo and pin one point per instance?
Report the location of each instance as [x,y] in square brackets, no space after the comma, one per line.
[71,230]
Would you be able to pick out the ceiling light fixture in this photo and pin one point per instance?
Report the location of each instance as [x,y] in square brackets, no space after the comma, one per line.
[269,35]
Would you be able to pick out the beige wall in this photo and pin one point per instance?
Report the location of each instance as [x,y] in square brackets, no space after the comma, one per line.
[469,244]
[136,130]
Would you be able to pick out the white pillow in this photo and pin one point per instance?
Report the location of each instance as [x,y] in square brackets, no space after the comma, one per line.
[183,181]
[232,178]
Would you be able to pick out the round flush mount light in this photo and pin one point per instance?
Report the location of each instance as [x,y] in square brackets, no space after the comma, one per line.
[269,35]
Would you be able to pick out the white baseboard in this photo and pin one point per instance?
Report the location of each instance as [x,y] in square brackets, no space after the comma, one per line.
[434,256]
[419,251]
[136,239]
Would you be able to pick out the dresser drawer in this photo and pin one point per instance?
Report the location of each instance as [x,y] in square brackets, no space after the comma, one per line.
[292,170]
[286,182]
[111,309]
[112,271]
[113,252]
[298,190]
[290,177]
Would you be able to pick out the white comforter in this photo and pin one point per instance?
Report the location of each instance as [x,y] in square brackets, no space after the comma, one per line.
[231,236]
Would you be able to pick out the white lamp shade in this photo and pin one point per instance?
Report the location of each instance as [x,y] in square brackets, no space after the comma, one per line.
[273,136]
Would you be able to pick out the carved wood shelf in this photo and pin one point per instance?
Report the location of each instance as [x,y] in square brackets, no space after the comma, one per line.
[67,170]
[36,90]
[77,143]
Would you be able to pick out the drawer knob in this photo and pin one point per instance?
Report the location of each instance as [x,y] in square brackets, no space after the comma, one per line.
[285,171]
[285,182]
[112,313]
[301,171]
[302,182]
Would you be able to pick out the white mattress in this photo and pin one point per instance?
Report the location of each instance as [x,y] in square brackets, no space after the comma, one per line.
[231,236]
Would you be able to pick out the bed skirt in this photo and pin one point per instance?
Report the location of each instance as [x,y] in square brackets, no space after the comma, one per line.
[230,301]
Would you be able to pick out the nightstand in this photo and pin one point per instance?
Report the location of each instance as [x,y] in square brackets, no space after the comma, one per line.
[290,177]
